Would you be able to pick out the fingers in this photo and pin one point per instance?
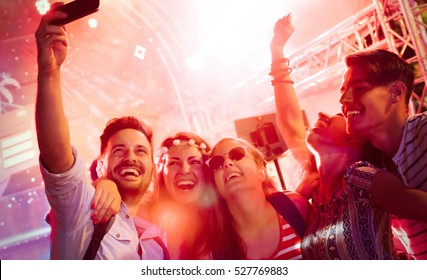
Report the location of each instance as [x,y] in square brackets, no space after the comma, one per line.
[111,211]
[324,120]
[46,30]
[98,201]
[46,34]
[52,15]
[96,205]
[284,25]
[55,5]
[283,30]
[54,39]
[106,200]
[322,123]
[96,197]
[105,210]
[324,117]
[285,19]
[101,207]
[47,18]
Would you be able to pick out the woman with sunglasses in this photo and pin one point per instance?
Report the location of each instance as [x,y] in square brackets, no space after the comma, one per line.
[185,199]
[253,229]
[350,219]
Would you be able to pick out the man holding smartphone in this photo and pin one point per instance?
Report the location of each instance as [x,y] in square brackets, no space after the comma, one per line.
[126,158]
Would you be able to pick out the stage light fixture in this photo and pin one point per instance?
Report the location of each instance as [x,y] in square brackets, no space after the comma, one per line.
[42,6]
[140,52]
[93,23]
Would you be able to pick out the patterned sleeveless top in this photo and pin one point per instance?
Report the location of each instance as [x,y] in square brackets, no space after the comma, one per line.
[350,226]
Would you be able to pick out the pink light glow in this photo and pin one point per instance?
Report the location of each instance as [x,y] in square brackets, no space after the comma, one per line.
[42,6]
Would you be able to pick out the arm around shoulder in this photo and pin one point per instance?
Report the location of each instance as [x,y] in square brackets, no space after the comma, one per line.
[395,197]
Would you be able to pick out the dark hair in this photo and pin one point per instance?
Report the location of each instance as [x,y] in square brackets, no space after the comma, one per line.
[92,170]
[384,67]
[117,124]
[229,245]
[372,154]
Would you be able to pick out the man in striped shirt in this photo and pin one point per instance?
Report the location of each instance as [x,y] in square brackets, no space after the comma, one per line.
[375,94]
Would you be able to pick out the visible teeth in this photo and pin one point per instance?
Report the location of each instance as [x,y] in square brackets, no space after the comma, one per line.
[129,171]
[185,182]
[353,113]
[231,175]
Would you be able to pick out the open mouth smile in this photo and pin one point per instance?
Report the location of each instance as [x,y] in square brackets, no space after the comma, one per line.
[185,185]
[129,171]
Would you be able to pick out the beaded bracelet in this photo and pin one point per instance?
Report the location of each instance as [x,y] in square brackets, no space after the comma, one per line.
[274,82]
[279,65]
[280,72]
[282,60]
[282,78]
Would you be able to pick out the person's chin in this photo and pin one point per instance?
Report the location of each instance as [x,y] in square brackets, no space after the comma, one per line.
[187,196]
[130,182]
[311,137]
[355,130]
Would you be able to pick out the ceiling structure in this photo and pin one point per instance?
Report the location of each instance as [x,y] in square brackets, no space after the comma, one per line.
[194,65]
[170,62]
[181,65]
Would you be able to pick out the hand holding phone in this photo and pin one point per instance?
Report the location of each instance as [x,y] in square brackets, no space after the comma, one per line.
[75,10]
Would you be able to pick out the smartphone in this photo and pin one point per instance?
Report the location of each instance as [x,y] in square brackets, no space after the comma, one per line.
[75,10]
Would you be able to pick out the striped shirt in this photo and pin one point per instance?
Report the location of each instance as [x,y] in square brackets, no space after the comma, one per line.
[411,162]
[289,247]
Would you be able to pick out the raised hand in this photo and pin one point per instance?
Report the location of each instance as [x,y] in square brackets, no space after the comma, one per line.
[283,30]
[52,42]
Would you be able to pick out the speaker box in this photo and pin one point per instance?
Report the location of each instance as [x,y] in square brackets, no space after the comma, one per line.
[262,131]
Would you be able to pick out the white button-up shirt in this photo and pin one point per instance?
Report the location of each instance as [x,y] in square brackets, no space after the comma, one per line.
[70,196]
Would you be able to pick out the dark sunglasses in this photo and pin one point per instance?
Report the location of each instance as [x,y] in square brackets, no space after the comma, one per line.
[234,154]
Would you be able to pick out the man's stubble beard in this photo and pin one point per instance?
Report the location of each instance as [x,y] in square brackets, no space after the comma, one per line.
[142,187]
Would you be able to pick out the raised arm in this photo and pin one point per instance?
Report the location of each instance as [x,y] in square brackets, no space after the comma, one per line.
[289,116]
[52,126]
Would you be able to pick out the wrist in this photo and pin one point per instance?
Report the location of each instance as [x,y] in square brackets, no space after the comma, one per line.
[280,71]
[277,54]
[99,180]
[45,73]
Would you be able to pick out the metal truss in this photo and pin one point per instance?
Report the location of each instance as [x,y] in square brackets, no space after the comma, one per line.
[393,25]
